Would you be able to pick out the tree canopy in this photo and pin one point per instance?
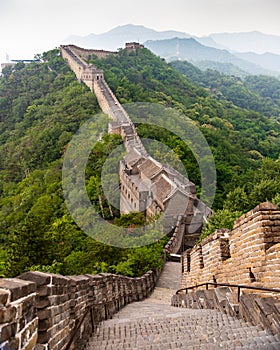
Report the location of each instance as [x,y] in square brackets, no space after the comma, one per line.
[42,106]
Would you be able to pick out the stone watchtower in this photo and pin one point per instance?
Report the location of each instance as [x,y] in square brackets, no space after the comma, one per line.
[133,46]
[91,75]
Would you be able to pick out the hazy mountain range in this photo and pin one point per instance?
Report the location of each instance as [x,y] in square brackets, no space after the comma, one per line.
[117,37]
[252,52]
[204,56]
[251,41]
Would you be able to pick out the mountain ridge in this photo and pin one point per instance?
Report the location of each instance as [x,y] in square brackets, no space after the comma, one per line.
[254,41]
[222,40]
[116,37]
[193,51]
[252,60]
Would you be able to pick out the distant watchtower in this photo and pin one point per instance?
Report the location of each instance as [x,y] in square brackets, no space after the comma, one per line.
[133,46]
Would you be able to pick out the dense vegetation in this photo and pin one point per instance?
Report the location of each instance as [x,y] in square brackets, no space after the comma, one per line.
[242,140]
[41,107]
[258,93]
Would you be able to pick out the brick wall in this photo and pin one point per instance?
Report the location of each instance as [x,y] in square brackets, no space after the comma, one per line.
[18,314]
[41,310]
[249,254]
[86,53]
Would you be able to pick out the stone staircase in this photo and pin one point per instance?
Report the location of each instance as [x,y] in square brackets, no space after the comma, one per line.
[155,324]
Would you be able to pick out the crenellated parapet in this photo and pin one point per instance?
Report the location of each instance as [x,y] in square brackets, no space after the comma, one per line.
[41,310]
[249,254]
[87,54]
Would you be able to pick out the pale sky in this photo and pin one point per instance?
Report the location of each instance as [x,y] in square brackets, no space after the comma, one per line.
[28,27]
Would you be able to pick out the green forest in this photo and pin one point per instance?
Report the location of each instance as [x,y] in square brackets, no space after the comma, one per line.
[41,107]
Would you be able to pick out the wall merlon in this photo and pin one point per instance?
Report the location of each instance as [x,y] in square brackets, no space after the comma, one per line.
[255,214]
[250,253]
[44,311]
[17,288]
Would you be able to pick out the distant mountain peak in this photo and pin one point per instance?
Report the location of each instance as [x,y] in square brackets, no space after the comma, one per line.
[117,37]
[193,51]
[254,41]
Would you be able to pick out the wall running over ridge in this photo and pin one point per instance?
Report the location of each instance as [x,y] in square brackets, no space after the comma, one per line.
[146,185]
[88,53]
[249,254]
[40,310]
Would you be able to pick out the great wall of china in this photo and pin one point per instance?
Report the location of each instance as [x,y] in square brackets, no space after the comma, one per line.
[42,311]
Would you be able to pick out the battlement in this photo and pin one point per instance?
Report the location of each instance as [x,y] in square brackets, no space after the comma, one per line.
[249,254]
[41,310]
[87,54]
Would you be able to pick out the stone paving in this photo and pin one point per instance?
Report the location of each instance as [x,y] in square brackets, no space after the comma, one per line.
[154,324]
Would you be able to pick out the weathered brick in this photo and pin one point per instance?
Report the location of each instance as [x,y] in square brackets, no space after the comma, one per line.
[7,331]
[30,331]
[12,344]
[253,243]
[7,314]
[17,288]
[4,296]
[40,278]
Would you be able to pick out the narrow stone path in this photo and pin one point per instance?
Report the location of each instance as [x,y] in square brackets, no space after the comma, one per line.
[154,324]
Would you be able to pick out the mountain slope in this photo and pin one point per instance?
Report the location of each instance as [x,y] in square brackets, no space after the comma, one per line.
[192,50]
[267,60]
[144,77]
[42,106]
[118,36]
[249,41]
[247,61]
[259,93]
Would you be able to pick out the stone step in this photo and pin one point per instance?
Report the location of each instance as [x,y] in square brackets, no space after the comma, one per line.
[155,324]
[146,325]
[170,276]
[162,295]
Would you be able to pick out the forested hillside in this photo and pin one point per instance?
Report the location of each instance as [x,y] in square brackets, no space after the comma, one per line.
[245,142]
[41,107]
[259,93]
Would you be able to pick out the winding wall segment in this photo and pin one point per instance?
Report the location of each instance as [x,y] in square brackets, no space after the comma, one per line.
[164,188]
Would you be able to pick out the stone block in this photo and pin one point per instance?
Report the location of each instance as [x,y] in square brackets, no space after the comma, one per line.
[7,331]
[27,306]
[44,313]
[17,287]
[7,314]
[60,280]
[28,332]
[47,290]
[32,343]
[12,344]
[265,206]
[4,296]
[40,278]
[42,303]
